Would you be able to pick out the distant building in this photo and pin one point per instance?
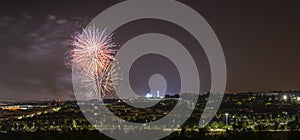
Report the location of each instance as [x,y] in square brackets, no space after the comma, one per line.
[157,95]
[149,95]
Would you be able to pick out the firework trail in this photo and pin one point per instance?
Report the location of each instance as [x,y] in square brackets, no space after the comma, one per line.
[92,54]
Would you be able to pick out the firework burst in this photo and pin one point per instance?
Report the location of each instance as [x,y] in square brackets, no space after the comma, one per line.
[103,83]
[92,54]
[93,49]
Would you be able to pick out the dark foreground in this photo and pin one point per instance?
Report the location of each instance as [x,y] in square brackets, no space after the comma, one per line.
[188,136]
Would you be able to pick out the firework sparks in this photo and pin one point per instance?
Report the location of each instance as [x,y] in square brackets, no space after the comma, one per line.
[103,83]
[93,49]
[92,54]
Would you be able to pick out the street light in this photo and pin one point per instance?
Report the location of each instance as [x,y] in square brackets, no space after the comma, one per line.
[284,97]
[226,114]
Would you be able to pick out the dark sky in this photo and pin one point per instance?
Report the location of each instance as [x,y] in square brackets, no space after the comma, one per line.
[260,40]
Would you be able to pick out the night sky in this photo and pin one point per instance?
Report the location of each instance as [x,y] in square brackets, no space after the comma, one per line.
[260,40]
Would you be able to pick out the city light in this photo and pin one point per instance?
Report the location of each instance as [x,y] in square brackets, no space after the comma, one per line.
[149,95]
[284,97]
[242,117]
[226,114]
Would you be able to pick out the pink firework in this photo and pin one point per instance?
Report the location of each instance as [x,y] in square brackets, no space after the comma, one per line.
[93,49]
[92,54]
